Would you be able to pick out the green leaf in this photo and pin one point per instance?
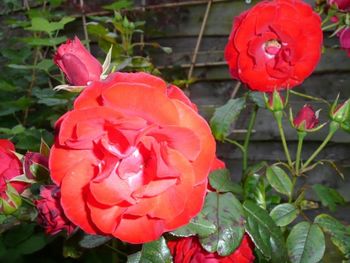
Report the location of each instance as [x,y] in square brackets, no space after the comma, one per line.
[258,99]
[306,243]
[39,171]
[41,24]
[266,235]
[45,64]
[120,4]
[7,86]
[328,196]
[340,234]
[44,148]
[153,252]
[284,214]
[226,212]
[225,116]
[197,226]
[32,244]
[92,241]
[254,189]
[221,181]
[279,180]
[49,42]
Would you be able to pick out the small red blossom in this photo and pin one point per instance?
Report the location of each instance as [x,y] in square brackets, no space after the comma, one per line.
[79,66]
[344,39]
[50,213]
[274,45]
[189,250]
[343,5]
[10,167]
[306,118]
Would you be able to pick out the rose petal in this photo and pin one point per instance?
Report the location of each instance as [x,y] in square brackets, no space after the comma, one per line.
[129,99]
[74,194]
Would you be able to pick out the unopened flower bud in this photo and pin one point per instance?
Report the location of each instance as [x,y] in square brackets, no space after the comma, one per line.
[306,119]
[275,101]
[340,113]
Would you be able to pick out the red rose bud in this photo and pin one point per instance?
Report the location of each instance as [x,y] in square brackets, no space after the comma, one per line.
[270,47]
[37,161]
[340,113]
[79,66]
[10,167]
[50,213]
[343,5]
[306,119]
[344,39]
[275,101]
[189,250]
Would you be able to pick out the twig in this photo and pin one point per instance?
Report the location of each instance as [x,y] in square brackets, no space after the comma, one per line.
[199,40]
[83,17]
[235,90]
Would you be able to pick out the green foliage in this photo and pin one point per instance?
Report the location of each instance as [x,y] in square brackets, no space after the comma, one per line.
[221,181]
[153,252]
[199,225]
[226,212]
[225,116]
[306,243]
[284,214]
[92,241]
[279,180]
[328,196]
[20,241]
[266,235]
[340,234]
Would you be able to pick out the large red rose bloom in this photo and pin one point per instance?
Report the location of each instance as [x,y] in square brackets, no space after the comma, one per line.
[132,158]
[274,45]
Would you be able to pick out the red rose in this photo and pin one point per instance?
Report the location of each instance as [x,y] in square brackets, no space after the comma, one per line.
[306,118]
[79,66]
[132,158]
[189,250]
[274,45]
[343,5]
[10,167]
[344,38]
[50,213]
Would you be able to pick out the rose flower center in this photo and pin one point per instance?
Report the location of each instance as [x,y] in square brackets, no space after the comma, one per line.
[272,47]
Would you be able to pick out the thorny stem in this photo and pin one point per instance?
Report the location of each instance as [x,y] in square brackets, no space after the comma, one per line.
[247,137]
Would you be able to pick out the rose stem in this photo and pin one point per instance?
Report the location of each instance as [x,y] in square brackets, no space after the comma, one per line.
[332,129]
[278,117]
[301,136]
[247,138]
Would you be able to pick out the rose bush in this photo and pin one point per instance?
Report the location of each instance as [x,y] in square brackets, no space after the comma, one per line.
[50,213]
[189,250]
[132,158]
[79,66]
[10,167]
[274,45]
